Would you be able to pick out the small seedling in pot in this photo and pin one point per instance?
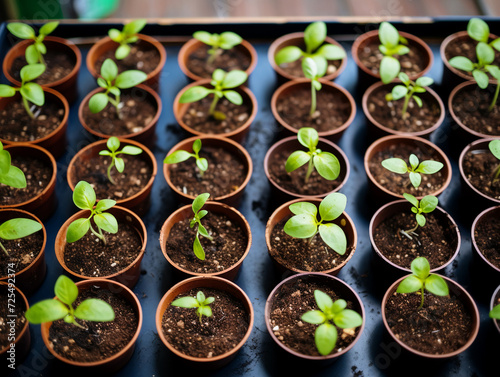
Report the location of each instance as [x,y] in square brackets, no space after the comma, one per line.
[313,72]
[125,37]
[326,163]
[10,175]
[199,302]
[181,155]
[84,198]
[113,144]
[199,213]
[15,229]
[480,31]
[495,312]
[91,309]
[415,169]
[330,316]
[426,205]
[222,83]
[422,280]
[306,225]
[494,146]
[218,42]
[391,44]
[408,91]
[34,52]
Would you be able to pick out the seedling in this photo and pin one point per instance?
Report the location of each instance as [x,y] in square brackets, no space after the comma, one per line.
[84,198]
[222,82]
[326,163]
[494,146]
[495,312]
[125,37]
[199,213]
[399,166]
[113,82]
[181,155]
[199,302]
[408,91]
[218,42]
[17,228]
[480,31]
[34,52]
[426,205]
[313,72]
[91,309]
[113,144]
[391,44]
[331,314]
[305,224]
[10,175]
[422,280]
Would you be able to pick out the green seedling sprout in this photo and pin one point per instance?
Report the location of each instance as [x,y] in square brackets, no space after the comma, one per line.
[113,144]
[494,147]
[222,82]
[181,155]
[10,175]
[422,280]
[326,163]
[426,205]
[125,37]
[84,198]
[34,52]
[200,303]
[408,91]
[391,44]
[330,316]
[495,312]
[306,225]
[199,213]
[218,42]
[313,72]
[91,309]
[113,82]
[15,229]
[415,169]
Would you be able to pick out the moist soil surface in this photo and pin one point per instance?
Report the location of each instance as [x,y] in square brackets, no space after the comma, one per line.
[441,326]
[235,58]
[290,302]
[400,183]
[17,309]
[102,339]
[332,108]
[212,336]
[479,169]
[228,245]
[22,252]
[487,235]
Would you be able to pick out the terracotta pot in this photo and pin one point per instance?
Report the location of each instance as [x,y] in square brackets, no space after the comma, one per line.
[55,142]
[297,39]
[127,276]
[289,87]
[495,298]
[205,282]
[485,216]
[106,44]
[193,44]
[139,202]
[238,134]
[458,291]
[343,290]
[67,86]
[283,212]
[291,144]
[231,199]
[118,360]
[379,191]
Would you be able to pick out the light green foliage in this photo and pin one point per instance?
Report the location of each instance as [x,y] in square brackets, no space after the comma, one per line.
[391,44]
[125,37]
[399,166]
[218,42]
[199,302]
[10,175]
[495,312]
[494,147]
[408,91]
[314,72]
[113,144]
[426,205]
[17,228]
[34,53]
[197,206]
[181,155]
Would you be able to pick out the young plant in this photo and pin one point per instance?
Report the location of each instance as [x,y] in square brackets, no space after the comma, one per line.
[199,213]
[199,302]
[84,198]
[313,72]
[495,312]
[34,52]
[399,166]
[91,309]
[15,229]
[218,42]
[391,44]
[306,225]
[422,280]
[126,36]
[113,144]
[222,82]
[181,155]
[408,91]
[480,31]
[426,205]
[326,163]
[331,314]
[10,175]
[113,82]
[494,146]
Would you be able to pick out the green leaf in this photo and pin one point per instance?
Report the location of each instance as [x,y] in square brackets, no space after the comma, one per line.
[287,55]
[202,164]
[202,213]
[6,91]
[428,203]
[233,97]
[437,285]
[413,161]
[418,101]
[98,102]
[398,92]
[197,146]
[109,70]
[402,50]
[49,27]
[102,83]
[122,51]
[209,300]
[495,44]
[332,206]
[429,167]
[14,178]
[228,40]
[494,71]
[4,161]
[314,35]
[485,53]
[308,137]
[14,229]
[93,309]
[389,69]
[177,156]
[104,205]
[424,81]
[348,319]
[77,229]
[106,221]
[113,143]
[478,30]
[494,146]
[409,285]
[415,179]
[134,26]
[129,79]
[114,90]
[65,290]
[205,310]
[309,68]
[301,226]
[21,30]
[325,338]
[461,62]
[234,79]
[495,312]
[323,301]
[131,150]
[296,160]
[119,164]
[194,94]
[333,236]
[31,72]
[33,93]
[203,231]
[411,199]
[388,35]
[396,165]
[199,201]
[198,249]
[338,306]
[420,219]
[315,317]
[115,35]
[84,195]
[204,37]
[46,311]
[481,78]
[185,302]
[303,208]
[420,267]
[331,52]
[327,165]
[200,296]
[316,84]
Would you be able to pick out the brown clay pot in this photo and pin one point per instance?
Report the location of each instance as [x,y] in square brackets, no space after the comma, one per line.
[204,282]
[238,134]
[118,360]
[67,85]
[139,203]
[231,199]
[485,216]
[127,276]
[495,298]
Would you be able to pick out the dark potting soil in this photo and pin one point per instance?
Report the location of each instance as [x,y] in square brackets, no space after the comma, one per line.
[101,339]
[235,58]
[12,305]
[291,301]
[215,335]
[479,168]
[436,241]
[487,235]
[332,108]
[400,183]
[228,245]
[441,326]
[90,257]
[22,252]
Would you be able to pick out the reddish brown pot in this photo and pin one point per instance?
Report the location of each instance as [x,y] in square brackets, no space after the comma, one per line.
[289,87]
[67,85]
[186,212]
[297,39]
[118,360]
[205,282]
[494,302]
[139,203]
[486,215]
[238,134]
[458,291]
[283,211]
[127,276]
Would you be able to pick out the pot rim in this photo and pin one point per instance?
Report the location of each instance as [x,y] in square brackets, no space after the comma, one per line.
[492,304]
[26,324]
[478,218]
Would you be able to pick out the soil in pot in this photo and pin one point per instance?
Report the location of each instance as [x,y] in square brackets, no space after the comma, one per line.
[8,309]
[487,236]
[212,336]
[479,167]
[22,253]
[235,58]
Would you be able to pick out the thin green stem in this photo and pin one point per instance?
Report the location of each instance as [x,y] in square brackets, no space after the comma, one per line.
[495,98]
[313,100]
[98,235]
[4,249]
[496,174]
[214,103]
[213,55]
[405,105]
[27,107]
[310,168]
[422,292]
[116,103]
[42,60]
[109,171]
